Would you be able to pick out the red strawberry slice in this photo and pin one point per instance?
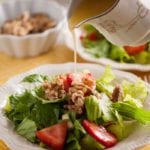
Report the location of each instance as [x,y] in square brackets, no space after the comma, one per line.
[54,136]
[100,134]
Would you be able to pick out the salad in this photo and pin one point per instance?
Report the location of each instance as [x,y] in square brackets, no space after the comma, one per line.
[98,46]
[75,111]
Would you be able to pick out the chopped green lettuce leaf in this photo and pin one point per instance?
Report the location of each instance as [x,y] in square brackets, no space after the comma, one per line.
[92,108]
[7,107]
[108,75]
[137,102]
[20,105]
[36,78]
[118,127]
[45,115]
[79,131]
[143,57]
[119,54]
[130,110]
[98,48]
[27,105]
[103,83]
[89,28]
[137,90]
[72,142]
[88,143]
[122,132]
[27,129]
[105,106]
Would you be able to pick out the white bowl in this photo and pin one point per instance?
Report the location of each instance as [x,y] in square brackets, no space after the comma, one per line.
[139,137]
[32,44]
[106,61]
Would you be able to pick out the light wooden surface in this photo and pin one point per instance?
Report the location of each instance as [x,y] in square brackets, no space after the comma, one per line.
[10,66]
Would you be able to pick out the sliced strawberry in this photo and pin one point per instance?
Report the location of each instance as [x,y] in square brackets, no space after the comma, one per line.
[131,50]
[100,134]
[54,136]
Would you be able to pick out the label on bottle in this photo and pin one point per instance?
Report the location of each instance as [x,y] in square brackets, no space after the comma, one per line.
[127,22]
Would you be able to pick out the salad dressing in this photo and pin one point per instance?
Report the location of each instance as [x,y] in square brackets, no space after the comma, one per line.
[75,53]
[89,8]
[105,17]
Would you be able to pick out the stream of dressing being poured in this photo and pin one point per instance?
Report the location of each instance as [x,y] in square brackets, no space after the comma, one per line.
[75,52]
[82,12]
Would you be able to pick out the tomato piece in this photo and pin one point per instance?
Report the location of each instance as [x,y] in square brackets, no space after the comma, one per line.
[54,136]
[81,37]
[131,50]
[93,36]
[68,81]
[100,134]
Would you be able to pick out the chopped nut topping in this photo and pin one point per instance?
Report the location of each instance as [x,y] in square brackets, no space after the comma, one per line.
[75,91]
[27,24]
[54,89]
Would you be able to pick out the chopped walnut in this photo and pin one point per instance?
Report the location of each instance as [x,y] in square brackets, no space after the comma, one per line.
[75,90]
[54,89]
[117,93]
[89,82]
[28,23]
[77,97]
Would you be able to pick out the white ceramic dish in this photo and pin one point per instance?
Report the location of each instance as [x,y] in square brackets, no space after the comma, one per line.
[32,44]
[105,61]
[139,137]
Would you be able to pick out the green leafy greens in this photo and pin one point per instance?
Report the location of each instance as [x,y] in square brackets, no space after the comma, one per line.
[27,105]
[130,110]
[27,128]
[98,46]
[36,78]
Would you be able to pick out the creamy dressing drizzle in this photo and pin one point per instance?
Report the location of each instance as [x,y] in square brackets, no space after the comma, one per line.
[75,52]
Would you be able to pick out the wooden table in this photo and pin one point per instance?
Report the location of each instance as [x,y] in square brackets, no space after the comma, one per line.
[10,66]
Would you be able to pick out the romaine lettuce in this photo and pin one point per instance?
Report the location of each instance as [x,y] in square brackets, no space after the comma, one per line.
[119,54]
[27,129]
[137,90]
[103,84]
[130,110]
[36,78]
[88,143]
[93,109]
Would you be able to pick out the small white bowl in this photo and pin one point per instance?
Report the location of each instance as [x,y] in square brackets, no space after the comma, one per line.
[32,44]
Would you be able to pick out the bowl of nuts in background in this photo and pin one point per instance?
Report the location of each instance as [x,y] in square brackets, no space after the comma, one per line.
[30,27]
